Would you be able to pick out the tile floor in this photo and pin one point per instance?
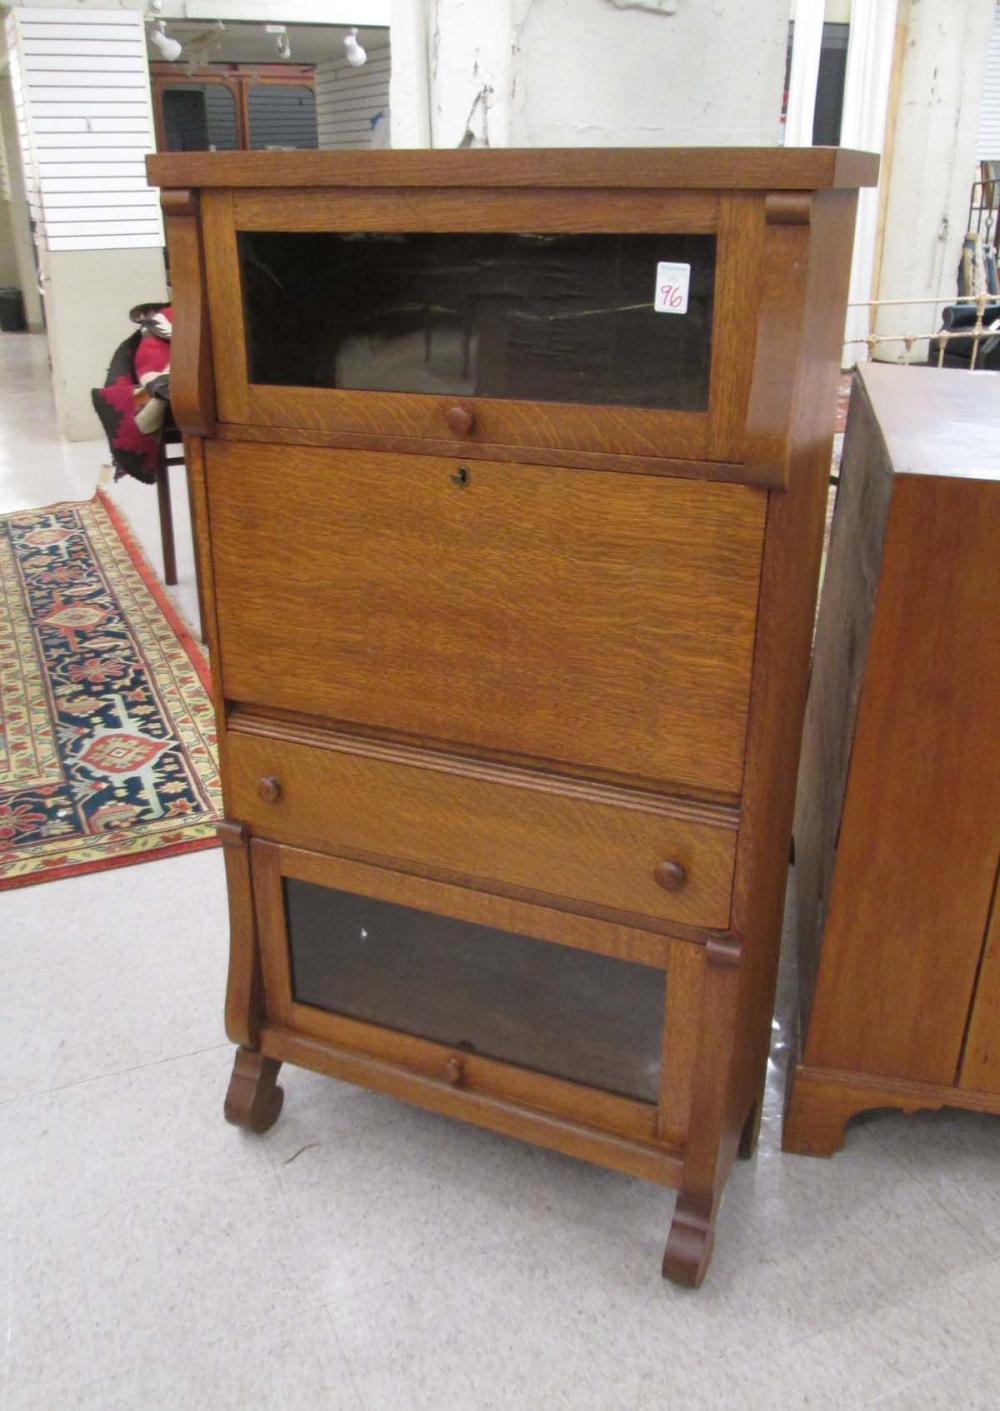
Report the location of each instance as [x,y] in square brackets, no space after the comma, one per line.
[368,1256]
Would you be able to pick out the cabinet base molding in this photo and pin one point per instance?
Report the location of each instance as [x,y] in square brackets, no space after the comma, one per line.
[821,1101]
[659,1165]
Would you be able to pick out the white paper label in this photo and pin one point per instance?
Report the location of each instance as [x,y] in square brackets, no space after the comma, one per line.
[672,283]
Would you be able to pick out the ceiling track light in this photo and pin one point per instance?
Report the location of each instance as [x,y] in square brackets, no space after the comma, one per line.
[356,56]
[166,47]
[281,40]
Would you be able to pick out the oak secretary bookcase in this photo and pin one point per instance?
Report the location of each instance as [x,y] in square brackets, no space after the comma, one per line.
[508,473]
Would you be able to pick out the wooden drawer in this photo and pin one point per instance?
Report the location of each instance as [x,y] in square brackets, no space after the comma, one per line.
[588,618]
[506,831]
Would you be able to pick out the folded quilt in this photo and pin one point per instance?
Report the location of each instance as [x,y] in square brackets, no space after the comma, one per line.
[134,402]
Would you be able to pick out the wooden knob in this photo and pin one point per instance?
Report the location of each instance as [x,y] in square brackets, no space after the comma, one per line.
[670,876]
[453,1071]
[460,420]
[269,789]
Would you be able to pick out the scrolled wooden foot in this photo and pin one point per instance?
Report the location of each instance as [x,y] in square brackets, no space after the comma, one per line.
[253,1099]
[690,1242]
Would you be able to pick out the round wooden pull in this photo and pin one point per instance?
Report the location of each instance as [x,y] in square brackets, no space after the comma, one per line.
[269,789]
[460,420]
[453,1072]
[670,875]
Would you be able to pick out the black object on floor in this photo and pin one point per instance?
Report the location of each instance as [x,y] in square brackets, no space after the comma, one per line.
[12,318]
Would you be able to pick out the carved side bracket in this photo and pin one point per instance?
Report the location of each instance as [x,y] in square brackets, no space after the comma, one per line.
[784,270]
[192,381]
[788,208]
[723,952]
[243,985]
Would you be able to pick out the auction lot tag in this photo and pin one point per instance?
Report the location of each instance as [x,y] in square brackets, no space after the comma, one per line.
[672,282]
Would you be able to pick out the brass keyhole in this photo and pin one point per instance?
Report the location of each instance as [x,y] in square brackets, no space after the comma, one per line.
[460,476]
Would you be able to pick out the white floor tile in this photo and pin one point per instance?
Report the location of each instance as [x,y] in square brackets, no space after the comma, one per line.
[956,1156]
[293,1360]
[112,970]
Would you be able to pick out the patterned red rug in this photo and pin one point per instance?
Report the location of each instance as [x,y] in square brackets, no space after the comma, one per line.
[107,735]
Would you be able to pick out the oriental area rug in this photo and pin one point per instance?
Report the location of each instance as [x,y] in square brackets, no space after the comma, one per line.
[107,735]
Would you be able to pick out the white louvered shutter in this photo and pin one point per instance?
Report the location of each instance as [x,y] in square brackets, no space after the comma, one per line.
[82,99]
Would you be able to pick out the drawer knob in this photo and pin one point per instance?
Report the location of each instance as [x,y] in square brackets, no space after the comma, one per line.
[452,1072]
[670,876]
[269,789]
[460,420]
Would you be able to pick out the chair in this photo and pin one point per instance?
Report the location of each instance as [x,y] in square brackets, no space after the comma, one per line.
[171,439]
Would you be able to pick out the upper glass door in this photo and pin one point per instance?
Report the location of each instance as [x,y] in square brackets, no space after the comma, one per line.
[553,326]
[604,320]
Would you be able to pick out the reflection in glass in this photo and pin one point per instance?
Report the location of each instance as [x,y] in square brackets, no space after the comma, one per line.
[282,115]
[199,117]
[566,318]
[584,1017]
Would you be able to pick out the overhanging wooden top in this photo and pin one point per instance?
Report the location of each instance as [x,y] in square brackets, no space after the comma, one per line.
[672,168]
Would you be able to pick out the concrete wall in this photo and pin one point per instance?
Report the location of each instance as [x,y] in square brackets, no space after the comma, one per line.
[21,250]
[88,294]
[587,72]
[8,255]
[933,161]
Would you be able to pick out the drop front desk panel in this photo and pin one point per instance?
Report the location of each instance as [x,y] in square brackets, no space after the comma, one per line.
[508,472]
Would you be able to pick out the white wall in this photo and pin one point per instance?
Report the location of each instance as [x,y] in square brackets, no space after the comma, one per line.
[587,72]
[326,12]
[23,245]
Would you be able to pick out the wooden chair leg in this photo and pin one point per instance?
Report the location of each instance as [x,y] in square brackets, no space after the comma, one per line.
[166,521]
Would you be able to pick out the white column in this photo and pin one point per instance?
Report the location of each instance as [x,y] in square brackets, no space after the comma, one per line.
[588,73]
[933,162]
[866,95]
[806,45]
[409,80]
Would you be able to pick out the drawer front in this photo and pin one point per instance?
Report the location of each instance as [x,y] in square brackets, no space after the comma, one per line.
[504,831]
[590,618]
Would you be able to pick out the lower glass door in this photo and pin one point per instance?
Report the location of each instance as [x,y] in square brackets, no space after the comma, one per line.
[566,1012]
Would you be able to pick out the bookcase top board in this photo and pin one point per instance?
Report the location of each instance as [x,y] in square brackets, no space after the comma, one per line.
[672,168]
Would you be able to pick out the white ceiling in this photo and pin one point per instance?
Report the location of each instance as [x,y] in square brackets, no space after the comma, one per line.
[244,43]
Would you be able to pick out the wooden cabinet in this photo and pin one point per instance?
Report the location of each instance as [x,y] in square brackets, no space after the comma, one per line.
[508,473]
[897,826]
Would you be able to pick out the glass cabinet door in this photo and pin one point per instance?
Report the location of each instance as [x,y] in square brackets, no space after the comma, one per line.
[597,319]
[566,1012]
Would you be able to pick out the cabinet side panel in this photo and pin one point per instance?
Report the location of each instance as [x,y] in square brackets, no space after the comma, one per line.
[818,255]
[839,655]
[918,845]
